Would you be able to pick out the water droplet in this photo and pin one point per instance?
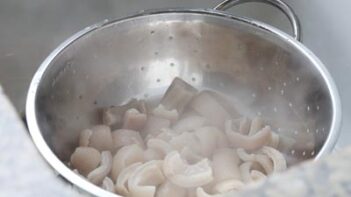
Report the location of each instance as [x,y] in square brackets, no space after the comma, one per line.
[158,80]
[290,104]
[282,92]
[146,95]
[80,97]
[317,130]
[269,88]
[156,53]
[253,95]
[317,107]
[74,72]
[193,79]
[142,68]
[259,113]
[86,76]
[312,153]
[106,20]
[308,108]
[171,64]
[292,152]
[95,102]
[323,129]
[152,32]
[275,109]
[261,68]
[279,129]
[307,130]
[303,153]
[170,38]
[297,78]
[284,84]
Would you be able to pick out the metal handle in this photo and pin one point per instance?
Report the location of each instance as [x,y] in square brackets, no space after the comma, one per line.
[282,6]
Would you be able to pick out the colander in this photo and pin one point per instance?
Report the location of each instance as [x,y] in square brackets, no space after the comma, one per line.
[262,70]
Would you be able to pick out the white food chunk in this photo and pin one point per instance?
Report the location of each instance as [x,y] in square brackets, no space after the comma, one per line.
[178,95]
[122,179]
[85,159]
[84,137]
[113,116]
[279,162]
[98,175]
[160,146]
[107,184]
[179,172]
[134,120]
[168,189]
[189,123]
[253,142]
[126,156]
[101,138]
[123,137]
[154,126]
[225,164]
[228,185]
[207,106]
[162,112]
[207,137]
[152,154]
[145,179]
[186,139]
[256,125]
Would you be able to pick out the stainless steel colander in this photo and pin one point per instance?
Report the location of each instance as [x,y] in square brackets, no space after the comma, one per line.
[263,71]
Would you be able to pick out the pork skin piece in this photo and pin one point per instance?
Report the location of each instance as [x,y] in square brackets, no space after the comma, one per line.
[207,106]
[178,95]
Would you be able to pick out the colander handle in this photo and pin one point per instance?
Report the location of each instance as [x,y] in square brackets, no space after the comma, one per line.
[285,8]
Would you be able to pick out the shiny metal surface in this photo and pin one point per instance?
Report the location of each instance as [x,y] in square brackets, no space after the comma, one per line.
[139,56]
[285,8]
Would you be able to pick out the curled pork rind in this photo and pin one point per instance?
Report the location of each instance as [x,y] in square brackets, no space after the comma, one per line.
[168,189]
[122,179]
[144,180]
[253,142]
[107,184]
[179,172]
[126,156]
[279,162]
[85,159]
[97,176]
[262,159]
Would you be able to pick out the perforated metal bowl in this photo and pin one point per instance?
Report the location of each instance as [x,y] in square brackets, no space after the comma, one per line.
[261,69]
